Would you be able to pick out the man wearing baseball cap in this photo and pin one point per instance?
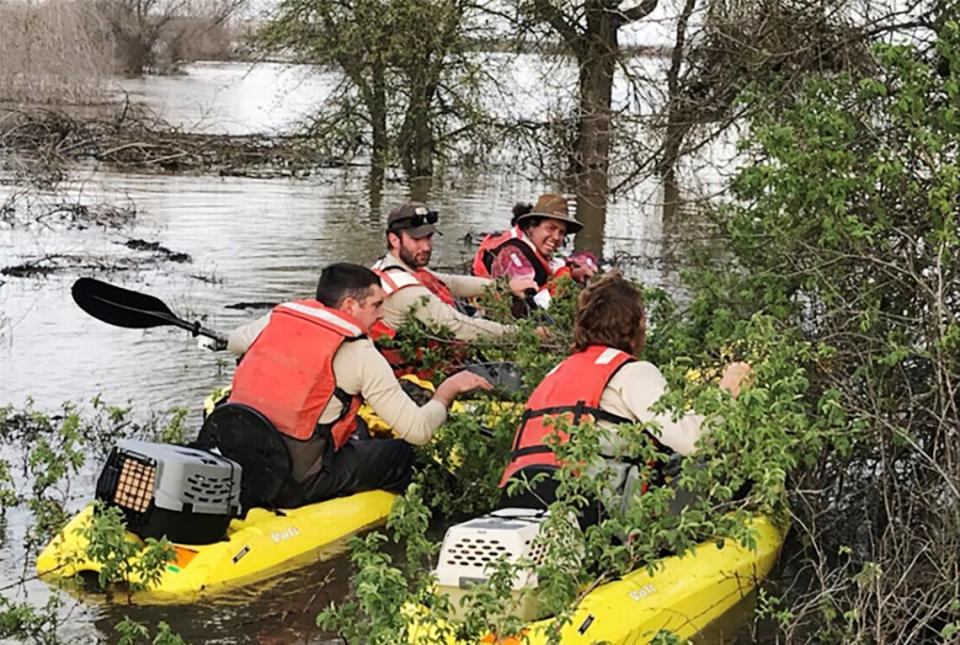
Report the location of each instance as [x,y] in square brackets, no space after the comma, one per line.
[431,297]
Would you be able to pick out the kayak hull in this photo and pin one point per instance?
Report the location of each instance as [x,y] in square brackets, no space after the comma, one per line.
[263,544]
[683,595]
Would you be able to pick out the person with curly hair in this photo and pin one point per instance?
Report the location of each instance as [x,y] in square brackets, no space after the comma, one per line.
[605,382]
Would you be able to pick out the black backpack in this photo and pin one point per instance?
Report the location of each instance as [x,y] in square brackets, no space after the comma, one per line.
[247,437]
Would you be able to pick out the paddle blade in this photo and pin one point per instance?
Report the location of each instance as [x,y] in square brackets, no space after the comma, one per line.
[121,307]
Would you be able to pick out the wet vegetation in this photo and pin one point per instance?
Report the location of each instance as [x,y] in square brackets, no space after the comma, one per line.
[45,458]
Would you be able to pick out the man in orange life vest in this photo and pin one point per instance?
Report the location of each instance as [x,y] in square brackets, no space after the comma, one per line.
[528,249]
[308,369]
[431,297]
[601,381]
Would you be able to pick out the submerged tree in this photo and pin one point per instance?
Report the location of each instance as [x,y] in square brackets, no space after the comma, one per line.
[666,110]
[589,32]
[142,28]
[723,47]
[410,91]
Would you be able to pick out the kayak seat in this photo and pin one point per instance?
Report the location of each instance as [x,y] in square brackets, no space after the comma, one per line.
[240,433]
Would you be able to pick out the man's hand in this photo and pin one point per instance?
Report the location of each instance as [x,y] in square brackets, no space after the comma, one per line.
[213,344]
[519,286]
[736,375]
[459,383]
[542,333]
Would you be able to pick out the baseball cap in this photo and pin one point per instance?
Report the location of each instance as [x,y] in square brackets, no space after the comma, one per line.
[416,218]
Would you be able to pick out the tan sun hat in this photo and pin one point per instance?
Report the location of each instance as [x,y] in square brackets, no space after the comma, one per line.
[553,206]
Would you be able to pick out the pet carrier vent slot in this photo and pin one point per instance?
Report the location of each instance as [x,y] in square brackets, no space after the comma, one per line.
[134,489]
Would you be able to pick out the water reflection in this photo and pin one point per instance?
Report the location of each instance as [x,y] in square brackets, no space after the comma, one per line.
[283,610]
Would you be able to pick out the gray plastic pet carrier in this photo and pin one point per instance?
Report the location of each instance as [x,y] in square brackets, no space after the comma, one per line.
[185,494]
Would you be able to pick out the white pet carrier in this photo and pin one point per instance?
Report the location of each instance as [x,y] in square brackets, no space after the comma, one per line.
[469,549]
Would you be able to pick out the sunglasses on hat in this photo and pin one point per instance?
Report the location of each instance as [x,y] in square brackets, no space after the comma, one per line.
[417,219]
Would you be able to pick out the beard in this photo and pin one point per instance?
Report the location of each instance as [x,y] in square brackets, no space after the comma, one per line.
[412,261]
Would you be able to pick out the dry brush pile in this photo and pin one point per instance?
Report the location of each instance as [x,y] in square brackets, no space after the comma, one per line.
[131,138]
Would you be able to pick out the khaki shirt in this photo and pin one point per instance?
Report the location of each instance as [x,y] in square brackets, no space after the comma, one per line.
[433,312]
[359,368]
[629,394]
[633,389]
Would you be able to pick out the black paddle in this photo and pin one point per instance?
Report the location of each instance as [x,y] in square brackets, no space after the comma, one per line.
[125,308]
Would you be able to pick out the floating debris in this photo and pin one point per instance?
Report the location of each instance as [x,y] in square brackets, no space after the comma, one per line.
[156,247]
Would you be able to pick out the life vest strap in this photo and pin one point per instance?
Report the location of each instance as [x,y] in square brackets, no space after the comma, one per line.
[401,279]
[541,269]
[346,400]
[530,450]
[540,449]
[577,410]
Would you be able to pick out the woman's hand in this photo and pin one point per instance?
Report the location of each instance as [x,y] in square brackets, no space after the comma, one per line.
[582,272]
[735,376]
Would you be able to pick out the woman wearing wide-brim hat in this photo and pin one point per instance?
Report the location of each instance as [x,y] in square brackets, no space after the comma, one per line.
[528,250]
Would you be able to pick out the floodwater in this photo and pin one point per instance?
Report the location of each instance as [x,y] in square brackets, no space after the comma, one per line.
[249,240]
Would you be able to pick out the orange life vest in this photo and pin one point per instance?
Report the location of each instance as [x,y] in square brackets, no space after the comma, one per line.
[381,331]
[494,243]
[394,278]
[572,388]
[287,374]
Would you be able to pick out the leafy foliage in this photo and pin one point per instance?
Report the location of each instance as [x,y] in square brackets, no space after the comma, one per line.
[132,632]
[122,558]
[846,231]
[45,454]
[23,622]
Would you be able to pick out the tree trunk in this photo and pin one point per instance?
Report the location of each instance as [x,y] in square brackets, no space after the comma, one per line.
[597,58]
[671,198]
[416,135]
[423,146]
[135,54]
[375,194]
[378,118]
[420,188]
[678,118]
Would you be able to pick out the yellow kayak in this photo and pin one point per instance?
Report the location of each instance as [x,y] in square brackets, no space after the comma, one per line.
[262,545]
[684,595]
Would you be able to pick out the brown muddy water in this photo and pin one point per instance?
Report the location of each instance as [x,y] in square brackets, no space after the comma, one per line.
[248,240]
